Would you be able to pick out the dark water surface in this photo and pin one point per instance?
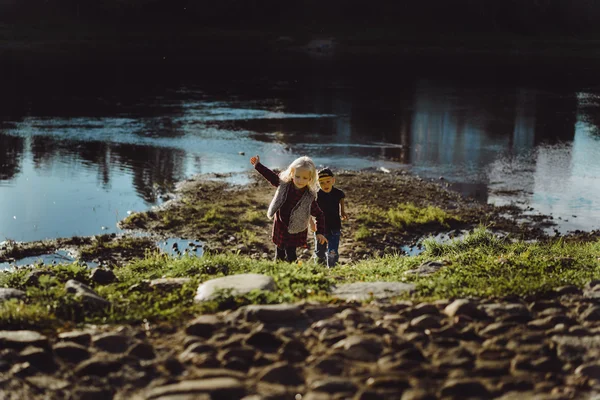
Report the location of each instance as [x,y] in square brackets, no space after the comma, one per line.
[83,145]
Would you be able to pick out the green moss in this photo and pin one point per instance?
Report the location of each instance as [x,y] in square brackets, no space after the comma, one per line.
[362,233]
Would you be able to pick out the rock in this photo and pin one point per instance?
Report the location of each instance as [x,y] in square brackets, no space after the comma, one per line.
[8,294]
[427,268]
[550,322]
[498,328]
[360,347]
[79,337]
[589,370]
[394,383]
[567,290]
[111,342]
[71,352]
[294,351]
[98,366]
[142,350]
[321,312]
[102,276]
[265,341]
[591,314]
[38,358]
[334,385]
[92,393]
[20,339]
[235,285]
[208,373]
[282,373]
[43,382]
[328,365]
[418,394]
[22,370]
[464,307]
[203,326]
[169,284]
[360,291]
[272,313]
[419,310]
[497,310]
[217,388]
[458,388]
[86,294]
[425,322]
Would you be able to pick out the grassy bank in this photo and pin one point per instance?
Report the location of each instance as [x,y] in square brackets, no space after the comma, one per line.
[480,265]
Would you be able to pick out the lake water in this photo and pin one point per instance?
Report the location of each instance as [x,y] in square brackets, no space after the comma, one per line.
[81,147]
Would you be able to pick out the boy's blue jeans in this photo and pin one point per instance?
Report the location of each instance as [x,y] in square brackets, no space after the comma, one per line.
[328,253]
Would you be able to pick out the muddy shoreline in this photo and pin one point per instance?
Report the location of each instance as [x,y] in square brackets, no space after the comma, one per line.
[232,218]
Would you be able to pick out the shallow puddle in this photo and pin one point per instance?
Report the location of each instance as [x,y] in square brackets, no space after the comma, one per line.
[57,257]
[442,238]
[176,247]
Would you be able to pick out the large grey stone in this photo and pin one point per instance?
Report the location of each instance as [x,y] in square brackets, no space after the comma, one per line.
[9,293]
[235,284]
[87,295]
[365,290]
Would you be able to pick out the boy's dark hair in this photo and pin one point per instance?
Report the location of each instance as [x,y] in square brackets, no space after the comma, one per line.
[325,172]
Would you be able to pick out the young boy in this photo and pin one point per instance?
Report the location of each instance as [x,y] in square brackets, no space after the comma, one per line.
[331,201]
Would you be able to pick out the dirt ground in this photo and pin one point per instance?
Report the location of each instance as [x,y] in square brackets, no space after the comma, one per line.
[365,190]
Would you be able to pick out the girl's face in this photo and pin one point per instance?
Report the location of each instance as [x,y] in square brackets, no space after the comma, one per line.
[301,177]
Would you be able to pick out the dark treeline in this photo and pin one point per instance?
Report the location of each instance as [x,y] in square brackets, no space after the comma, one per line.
[527,17]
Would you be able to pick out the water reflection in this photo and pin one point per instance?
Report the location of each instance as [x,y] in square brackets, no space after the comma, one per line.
[11,152]
[73,162]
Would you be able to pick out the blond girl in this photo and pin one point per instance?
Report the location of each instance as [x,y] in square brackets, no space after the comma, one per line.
[293,204]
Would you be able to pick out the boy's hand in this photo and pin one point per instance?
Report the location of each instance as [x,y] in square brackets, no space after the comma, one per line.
[254,160]
[344,216]
[321,239]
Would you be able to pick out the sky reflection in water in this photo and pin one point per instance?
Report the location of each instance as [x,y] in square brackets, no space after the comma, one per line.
[79,172]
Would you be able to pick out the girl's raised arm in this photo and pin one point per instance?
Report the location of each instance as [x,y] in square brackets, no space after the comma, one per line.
[269,175]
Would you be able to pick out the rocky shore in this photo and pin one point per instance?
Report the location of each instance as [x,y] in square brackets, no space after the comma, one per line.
[510,348]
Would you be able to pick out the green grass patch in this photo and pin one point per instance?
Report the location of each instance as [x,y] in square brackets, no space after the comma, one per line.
[254,217]
[405,216]
[362,233]
[481,265]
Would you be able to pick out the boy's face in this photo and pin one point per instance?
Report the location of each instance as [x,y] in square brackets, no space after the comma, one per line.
[326,183]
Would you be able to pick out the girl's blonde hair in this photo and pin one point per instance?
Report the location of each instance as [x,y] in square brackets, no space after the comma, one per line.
[301,162]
